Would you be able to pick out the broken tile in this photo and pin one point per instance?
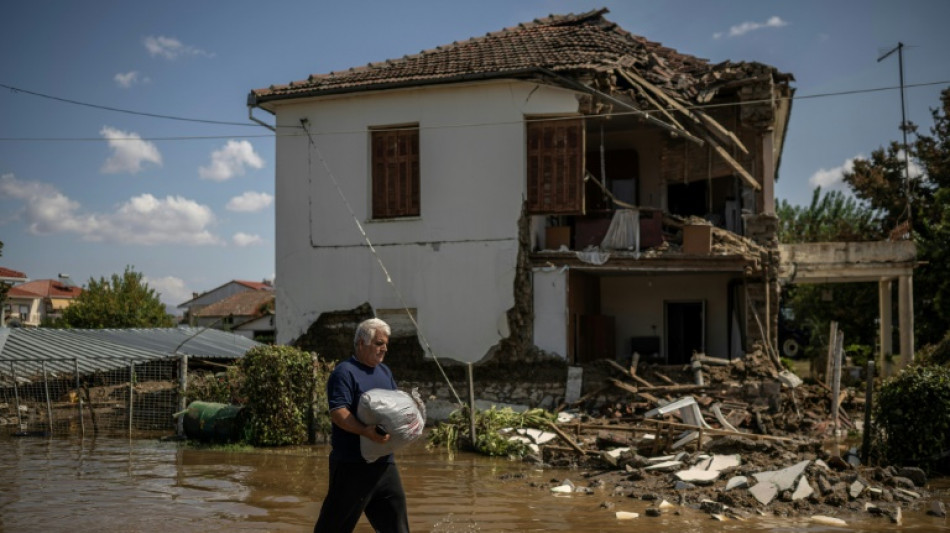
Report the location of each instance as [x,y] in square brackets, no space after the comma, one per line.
[698,476]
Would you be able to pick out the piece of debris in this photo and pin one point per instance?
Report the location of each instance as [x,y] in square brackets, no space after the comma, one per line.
[828,520]
[626,515]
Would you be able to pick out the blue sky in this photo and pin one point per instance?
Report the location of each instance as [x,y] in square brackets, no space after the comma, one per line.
[87,191]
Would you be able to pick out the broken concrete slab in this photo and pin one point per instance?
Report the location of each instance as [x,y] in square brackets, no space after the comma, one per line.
[828,520]
[698,476]
[803,490]
[764,491]
[665,466]
[785,478]
[737,482]
[856,488]
[720,462]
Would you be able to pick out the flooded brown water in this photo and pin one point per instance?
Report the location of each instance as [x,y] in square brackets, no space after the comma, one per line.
[118,485]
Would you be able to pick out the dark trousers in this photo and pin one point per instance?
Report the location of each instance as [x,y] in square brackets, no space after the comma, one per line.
[355,488]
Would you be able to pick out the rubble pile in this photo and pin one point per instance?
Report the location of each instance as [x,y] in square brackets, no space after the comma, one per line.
[730,438]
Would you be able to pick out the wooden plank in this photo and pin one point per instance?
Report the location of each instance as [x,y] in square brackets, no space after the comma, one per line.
[566,438]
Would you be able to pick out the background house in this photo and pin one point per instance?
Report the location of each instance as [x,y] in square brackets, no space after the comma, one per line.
[204,299]
[8,278]
[248,313]
[29,304]
[562,184]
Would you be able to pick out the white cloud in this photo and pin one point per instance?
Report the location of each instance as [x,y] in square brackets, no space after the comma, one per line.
[250,202]
[746,27]
[128,79]
[129,151]
[171,290]
[245,239]
[143,219]
[833,178]
[171,48]
[231,161]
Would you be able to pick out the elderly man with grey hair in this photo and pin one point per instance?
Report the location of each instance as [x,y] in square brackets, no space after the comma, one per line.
[356,486]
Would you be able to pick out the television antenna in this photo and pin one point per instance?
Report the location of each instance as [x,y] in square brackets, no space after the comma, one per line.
[905,126]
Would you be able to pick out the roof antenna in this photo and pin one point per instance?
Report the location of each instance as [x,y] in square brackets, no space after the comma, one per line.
[904,124]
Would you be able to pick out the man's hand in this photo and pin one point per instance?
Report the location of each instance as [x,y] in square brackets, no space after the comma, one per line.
[343,418]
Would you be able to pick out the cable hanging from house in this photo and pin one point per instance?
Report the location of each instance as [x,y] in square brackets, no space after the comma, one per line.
[379,260]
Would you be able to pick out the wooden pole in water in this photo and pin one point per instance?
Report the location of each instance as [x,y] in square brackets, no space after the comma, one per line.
[471,404]
[131,394]
[82,423]
[49,405]
[868,399]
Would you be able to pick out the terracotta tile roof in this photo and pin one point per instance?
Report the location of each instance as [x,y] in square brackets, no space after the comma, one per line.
[562,44]
[247,303]
[44,288]
[10,273]
[256,285]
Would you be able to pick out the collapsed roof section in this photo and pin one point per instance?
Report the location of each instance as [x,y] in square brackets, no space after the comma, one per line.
[621,72]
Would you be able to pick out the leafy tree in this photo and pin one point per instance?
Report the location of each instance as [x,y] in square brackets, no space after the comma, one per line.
[918,208]
[125,301]
[830,217]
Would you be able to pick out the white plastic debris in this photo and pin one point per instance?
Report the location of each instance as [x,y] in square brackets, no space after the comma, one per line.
[627,515]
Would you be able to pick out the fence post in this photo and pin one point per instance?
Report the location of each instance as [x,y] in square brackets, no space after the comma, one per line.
[16,394]
[183,393]
[471,405]
[49,406]
[131,394]
[82,423]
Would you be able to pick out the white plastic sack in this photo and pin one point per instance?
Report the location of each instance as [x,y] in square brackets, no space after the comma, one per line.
[398,413]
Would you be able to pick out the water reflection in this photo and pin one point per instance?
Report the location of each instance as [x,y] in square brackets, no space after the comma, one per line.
[106,485]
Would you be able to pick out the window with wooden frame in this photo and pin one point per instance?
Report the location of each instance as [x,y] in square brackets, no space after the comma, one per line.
[395,166]
[555,154]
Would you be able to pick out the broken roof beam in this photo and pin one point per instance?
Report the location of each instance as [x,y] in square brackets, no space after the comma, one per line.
[636,79]
[678,131]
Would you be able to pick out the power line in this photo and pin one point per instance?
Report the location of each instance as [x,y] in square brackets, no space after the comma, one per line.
[468,125]
[127,111]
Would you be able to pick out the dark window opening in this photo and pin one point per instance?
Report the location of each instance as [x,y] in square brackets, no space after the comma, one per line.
[395,167]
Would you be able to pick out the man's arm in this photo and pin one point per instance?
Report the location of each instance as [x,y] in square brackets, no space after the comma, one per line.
[343,418]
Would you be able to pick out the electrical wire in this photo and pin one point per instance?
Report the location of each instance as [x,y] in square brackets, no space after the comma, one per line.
[850,92]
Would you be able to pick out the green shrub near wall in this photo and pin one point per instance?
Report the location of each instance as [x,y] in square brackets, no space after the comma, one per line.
[279,388]
[912,415]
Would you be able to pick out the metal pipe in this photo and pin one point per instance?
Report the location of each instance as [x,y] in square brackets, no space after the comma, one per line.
[49,405]
[471,404]
[252,118]
[182,392]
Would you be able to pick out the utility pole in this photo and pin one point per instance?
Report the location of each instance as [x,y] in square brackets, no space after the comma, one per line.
[904,125]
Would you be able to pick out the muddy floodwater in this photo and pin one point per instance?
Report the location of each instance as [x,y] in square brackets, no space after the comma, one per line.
[104,485]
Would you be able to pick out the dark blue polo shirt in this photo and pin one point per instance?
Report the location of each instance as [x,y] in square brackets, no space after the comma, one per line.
[348,381]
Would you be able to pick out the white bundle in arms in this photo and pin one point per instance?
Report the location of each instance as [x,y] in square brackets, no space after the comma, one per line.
[396,412]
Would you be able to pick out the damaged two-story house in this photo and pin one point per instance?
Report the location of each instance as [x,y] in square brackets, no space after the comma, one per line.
[562,185]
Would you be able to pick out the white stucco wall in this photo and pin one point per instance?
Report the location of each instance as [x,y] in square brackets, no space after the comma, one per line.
[636,302]
[455,263]
[550,310]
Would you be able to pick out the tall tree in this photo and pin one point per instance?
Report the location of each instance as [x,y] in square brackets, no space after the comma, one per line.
[125,301]
[830,217]
[918,207]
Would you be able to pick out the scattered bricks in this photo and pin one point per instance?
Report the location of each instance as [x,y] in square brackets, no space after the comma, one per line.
[824,486]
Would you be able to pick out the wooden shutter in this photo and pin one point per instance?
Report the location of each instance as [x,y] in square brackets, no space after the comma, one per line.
[556,167]
[395,164]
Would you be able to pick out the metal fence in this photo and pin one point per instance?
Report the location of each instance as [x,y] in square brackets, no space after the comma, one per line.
[53,397]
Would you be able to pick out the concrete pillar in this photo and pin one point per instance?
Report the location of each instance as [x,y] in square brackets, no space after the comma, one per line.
[885,314]
[905,313]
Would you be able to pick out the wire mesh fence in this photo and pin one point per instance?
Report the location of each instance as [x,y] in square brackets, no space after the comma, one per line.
[54,397]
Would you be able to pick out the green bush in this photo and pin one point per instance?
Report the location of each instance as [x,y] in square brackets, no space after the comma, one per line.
[279,388]
[912,414]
